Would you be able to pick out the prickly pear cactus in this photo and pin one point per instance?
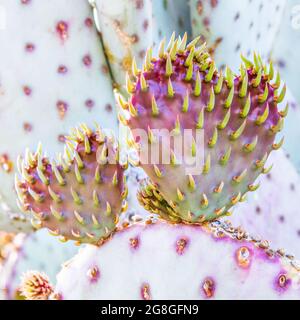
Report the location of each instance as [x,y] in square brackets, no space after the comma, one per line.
[79,197]
[60,67]
[231,27]
[184,264]
[238,117]
[69,56]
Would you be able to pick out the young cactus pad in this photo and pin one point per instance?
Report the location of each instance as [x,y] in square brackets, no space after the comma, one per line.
[181,91]
[166,261]
[81,196]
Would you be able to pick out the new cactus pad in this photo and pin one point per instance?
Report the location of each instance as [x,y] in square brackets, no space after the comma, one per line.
[181,91]
[81,195]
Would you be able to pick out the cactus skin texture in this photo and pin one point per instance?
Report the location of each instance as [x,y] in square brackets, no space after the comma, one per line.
[126,30]
[80,198]
[170,16]
[189,256]
[287,46]
[291,130]
[238,115]
[215,20]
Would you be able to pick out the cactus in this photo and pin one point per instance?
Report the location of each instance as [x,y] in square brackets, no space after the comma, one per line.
[184,264]
[35,251]
[228,123]
[257,24]
[238,116]
[60,68]
[81,196]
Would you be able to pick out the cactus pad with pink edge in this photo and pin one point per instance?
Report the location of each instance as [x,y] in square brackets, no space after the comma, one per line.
[163,261]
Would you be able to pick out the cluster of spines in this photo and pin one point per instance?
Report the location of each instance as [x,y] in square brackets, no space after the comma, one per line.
[35,286]
[174,47]
[36,166]
[151,199]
